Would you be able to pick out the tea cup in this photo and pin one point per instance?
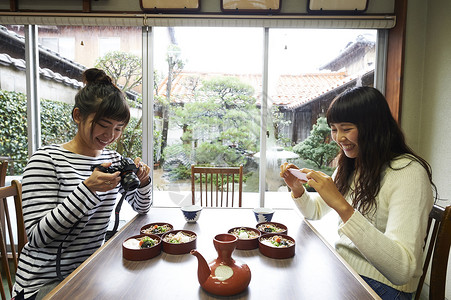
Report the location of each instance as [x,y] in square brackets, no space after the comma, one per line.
[191,213]
[263,214]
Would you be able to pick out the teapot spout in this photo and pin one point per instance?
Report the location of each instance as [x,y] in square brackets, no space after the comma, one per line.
[203,269]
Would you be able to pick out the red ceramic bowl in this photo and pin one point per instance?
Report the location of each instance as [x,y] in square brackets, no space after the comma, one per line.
[268,227]
[183,246]
[270,250]
[246,243]
[155,228]
[141,254]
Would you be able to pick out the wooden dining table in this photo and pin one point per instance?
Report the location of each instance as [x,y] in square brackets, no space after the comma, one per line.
[316,271]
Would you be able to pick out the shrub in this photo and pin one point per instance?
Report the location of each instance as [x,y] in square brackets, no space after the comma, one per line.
[318,148]
[13,124]
[57,127]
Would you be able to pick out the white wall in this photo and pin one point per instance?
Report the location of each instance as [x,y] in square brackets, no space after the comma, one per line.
[12,79]
[426,109]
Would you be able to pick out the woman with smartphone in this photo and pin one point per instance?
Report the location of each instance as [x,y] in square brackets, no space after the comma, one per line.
[381,190]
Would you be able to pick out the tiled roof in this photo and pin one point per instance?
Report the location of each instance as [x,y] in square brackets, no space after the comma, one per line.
[361,42]
[290,91]
[19,64]
[11,35]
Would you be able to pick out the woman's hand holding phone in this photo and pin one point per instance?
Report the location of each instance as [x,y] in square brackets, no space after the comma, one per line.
[298,174]
[293,182]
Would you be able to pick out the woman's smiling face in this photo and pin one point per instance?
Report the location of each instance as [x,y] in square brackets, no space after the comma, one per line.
[346,136]
[105,132]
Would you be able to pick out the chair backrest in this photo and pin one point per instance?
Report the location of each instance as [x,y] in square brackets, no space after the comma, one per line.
[217,186]
[9,252]
[439,236]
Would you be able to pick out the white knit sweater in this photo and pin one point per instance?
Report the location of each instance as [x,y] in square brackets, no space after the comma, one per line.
[386,244]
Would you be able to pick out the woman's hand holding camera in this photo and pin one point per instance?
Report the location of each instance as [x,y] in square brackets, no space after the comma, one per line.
[143,171]
[102,182]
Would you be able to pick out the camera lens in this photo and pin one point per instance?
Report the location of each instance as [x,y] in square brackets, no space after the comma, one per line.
[130,181]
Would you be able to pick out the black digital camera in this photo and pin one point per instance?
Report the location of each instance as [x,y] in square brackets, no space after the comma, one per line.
[128,169]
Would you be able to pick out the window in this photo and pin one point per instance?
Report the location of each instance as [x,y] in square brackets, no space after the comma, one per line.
[13,103]
[208,99]
[205,102]
[64,46]
[61,79]
[107,44]
[307,69]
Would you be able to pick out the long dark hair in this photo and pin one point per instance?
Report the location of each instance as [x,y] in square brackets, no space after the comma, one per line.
[380,141]
[102,97]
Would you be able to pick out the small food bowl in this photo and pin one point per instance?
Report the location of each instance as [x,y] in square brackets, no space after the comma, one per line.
[179,241]
[272,227]
[247,237]
[263,214]
[276,245]
[131,248]
[156,228]
[191,213]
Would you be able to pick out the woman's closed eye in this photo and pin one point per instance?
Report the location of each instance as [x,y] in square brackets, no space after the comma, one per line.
[107,124]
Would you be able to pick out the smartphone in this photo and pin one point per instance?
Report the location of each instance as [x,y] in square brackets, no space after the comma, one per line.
[298,174]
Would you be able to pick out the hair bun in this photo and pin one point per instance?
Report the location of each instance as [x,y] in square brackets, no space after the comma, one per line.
[95,75]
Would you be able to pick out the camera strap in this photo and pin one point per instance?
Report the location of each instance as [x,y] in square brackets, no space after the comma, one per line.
[108,235]
[60,248]
[113,231]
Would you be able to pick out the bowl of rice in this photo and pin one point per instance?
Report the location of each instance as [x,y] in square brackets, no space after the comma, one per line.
[141,247]
[179,241]
[271,227]
[247,237]
[156,228]
[276,245]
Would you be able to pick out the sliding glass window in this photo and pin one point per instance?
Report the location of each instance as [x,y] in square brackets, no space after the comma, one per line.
[64,53]
[207,92]
[307,68]
[13,99]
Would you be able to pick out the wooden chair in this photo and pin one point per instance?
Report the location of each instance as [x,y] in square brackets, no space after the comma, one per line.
[439,236]
[9,253]
[217,185]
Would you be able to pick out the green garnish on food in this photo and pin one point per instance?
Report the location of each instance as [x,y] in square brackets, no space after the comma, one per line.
[146,242]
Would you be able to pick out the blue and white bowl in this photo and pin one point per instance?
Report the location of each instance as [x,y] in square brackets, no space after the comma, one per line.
[263,214]
[191,213]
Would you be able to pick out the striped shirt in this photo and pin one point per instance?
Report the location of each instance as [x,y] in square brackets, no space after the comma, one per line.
[54,200]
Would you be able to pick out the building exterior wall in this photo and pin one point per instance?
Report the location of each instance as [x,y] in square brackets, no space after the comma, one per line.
[13,79]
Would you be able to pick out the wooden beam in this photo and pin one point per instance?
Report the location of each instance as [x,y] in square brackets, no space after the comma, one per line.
[395,60]
[13,5]
[86,5]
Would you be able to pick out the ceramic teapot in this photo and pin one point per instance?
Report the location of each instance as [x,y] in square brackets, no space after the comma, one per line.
[223,276]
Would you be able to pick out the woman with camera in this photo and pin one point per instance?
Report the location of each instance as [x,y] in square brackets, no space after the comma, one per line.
[70,190]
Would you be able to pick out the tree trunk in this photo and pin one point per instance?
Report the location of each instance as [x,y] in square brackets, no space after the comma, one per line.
[165,112]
